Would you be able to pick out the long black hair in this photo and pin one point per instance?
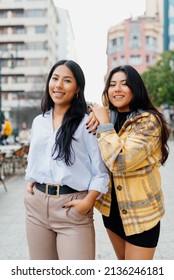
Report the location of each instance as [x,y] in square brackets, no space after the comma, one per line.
[72,117]
[139,101]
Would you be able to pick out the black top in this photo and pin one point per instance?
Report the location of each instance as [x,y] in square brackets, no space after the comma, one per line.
[121,118]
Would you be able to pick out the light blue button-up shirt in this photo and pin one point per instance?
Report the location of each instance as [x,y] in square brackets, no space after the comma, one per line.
[88,172]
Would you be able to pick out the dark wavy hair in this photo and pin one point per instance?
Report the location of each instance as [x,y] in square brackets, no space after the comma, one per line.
[140,101]
[73,116]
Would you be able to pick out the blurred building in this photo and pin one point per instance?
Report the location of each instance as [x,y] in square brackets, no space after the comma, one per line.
[28,31]
[165,9]
[66,39]
[137,41]
[155,7]
[30,43]
[168,25]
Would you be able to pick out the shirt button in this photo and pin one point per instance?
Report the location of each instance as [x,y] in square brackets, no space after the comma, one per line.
[124,211]
[119,188]
[98,135]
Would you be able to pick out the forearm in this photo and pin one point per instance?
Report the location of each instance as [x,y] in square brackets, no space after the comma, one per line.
[91,198]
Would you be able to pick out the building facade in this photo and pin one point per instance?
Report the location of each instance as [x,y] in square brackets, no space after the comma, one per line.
[155,7]
[165,9]
[28,47]
[137,41]
[168,25]
[66,39]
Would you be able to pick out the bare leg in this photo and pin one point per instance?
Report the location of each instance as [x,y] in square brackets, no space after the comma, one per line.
[127,251]
[118,244]
[133,252]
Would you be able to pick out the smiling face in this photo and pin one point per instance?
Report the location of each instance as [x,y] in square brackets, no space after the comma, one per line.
[119,94]
[62,87]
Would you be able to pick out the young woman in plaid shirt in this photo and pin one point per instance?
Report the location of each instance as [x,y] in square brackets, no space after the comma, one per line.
[132,137]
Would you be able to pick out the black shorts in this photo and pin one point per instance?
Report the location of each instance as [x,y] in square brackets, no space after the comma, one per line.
[147,239]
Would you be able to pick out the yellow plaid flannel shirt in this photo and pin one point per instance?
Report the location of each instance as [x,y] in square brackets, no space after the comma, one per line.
[133,157]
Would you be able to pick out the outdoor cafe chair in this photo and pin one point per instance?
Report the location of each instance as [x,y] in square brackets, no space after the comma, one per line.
[16,160]
[2,176]
[19,158]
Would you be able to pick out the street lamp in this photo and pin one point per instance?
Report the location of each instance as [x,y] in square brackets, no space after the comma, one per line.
[11,57]
[0,80]
[1,114]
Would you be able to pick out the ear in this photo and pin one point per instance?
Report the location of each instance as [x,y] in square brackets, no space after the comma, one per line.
[78,89]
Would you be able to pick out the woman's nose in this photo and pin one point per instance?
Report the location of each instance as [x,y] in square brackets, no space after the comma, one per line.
[117,87]
[59,84]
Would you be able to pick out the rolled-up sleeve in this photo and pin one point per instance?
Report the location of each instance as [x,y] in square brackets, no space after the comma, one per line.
[100,174]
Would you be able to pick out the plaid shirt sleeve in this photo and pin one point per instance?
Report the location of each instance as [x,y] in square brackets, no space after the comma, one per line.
[134,147]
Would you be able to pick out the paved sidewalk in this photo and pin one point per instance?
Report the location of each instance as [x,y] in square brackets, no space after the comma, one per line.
[13,245]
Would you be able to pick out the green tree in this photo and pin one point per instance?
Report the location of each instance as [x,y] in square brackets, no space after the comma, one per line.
[159,80]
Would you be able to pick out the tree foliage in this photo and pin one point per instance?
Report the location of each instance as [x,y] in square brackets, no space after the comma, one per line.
[159,80]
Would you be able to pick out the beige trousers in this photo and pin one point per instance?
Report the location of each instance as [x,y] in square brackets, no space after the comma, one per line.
[59,233]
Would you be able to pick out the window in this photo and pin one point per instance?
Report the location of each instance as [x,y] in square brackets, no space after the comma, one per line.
[20,79]
[3,47]
[35,46]
[147,59]
[134,43]
[151,43]
[114,62]
[18,14]
[20,46]
[36,13]
[20,62]
[35,62]
[3,30]
[114,42]
[35,79]
[4,79]
[3,14]
[135,60]
[122,60]
[40,29]
[118,42]
[19,30]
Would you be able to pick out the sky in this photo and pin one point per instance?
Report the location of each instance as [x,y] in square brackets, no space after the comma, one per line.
[90,22]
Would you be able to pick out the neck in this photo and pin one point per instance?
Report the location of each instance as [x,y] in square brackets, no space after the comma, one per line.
[60,110]
[58,115]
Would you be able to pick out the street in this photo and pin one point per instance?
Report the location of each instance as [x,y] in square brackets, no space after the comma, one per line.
[13,245]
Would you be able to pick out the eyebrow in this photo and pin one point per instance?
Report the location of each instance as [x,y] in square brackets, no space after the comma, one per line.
[70,77]
[113,81]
